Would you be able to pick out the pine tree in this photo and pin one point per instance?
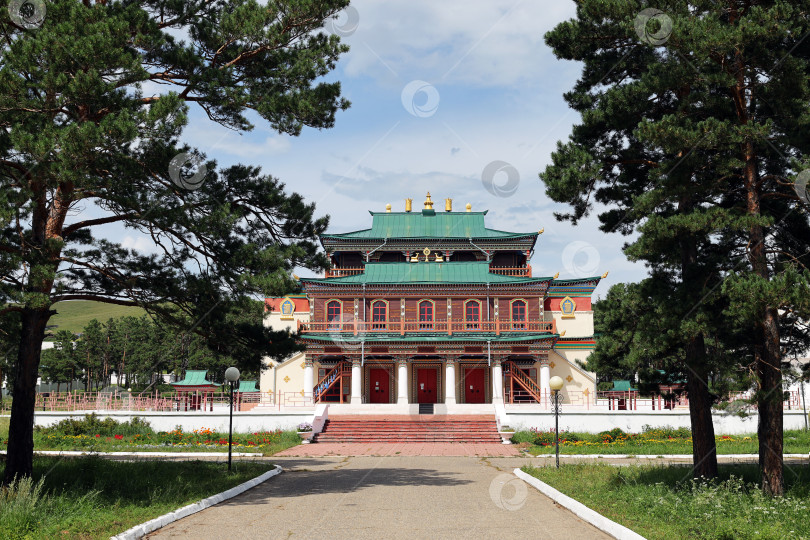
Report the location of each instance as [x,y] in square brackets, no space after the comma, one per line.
[694,122]
[94,97]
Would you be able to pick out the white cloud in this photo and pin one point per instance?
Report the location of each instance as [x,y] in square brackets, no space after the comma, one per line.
[141,244]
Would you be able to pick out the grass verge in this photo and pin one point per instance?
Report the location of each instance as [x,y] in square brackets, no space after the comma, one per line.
[666,503]
[653,441]
[95,498]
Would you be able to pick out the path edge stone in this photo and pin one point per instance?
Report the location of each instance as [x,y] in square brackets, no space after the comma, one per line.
[591,516]
[139,531]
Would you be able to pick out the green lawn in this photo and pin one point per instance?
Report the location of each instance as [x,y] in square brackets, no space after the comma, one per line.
[96,498]
[74,315]
[657,441]
[665,503]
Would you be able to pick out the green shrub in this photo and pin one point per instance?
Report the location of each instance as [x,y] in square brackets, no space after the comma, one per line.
[613,435]
[93,425]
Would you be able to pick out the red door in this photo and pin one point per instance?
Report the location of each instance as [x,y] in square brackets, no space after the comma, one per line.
[379,385]
[474,391]
[426,385]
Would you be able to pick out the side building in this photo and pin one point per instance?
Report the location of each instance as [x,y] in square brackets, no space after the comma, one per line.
[435,308]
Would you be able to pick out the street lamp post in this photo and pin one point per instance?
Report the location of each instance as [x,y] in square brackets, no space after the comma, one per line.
[556,384]
[231,375]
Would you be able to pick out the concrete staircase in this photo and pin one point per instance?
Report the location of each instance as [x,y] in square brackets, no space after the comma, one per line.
[410,429]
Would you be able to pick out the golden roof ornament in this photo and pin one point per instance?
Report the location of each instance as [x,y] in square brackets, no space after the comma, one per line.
[541,231]
[556,275]
[469,207]
[605,275]
[408,205]
[562,333]
[428,202]
[388,208]
[448,205]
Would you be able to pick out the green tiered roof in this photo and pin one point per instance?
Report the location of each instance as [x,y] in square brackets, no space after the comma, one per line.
[428,224]
[389,273]
[247,386]
[195,377]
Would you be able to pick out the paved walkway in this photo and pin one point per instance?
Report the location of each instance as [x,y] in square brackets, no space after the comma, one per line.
[400,449]
[387,497]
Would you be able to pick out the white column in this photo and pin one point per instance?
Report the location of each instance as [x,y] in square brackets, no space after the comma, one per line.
[402,382]
[357,383]
[450,382]
[545,376]
[309,379]
[497,382]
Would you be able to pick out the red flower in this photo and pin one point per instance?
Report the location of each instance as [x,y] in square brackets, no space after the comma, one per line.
[119,437]
[97,435]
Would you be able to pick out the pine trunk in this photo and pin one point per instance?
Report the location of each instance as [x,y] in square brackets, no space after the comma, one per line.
[19,458]
[704,446]
[768,357]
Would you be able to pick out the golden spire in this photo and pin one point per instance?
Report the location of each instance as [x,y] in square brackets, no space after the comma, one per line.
[604,275]
[556,275]
[428,202]
[448,205]
[541,231]
[408,205]
[469,207]
[388,207]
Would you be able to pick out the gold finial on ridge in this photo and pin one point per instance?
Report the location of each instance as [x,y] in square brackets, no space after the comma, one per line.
[604,275]
[541,231]
[428,202]
[388,207]
[469,207]
[556,275]
[408,205]
[562,333]
[448,205]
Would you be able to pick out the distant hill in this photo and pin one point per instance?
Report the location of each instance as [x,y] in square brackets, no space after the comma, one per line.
[74,315]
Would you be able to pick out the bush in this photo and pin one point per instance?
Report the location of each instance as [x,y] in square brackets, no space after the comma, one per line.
[92,425]
[613,435]
[666,432]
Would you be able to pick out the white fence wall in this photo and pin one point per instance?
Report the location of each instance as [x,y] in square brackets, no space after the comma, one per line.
[634,421]
[243,422]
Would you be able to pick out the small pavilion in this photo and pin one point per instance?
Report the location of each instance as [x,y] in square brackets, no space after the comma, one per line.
[246,393]
[621,397]
[195,392]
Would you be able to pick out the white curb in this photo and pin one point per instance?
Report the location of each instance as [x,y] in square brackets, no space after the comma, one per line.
[656,456]
[138,531]
[594,518]
[139,454]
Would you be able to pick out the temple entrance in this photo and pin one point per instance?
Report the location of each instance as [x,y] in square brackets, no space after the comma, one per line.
[426,385]
[474,385]
[379,381]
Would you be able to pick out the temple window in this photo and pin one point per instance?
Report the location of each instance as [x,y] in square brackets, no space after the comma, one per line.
[379,314]
[472,314]
[519,314]
[425,315]
[333,309]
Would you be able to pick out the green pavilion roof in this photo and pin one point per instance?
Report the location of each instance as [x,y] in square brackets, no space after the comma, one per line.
[428,224]
[195,377]
[622,386]
[432,337]
[390,273]
[247,386]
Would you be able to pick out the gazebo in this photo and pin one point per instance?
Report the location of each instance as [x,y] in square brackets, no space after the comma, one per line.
[621,397]
[194,392]
[247,389]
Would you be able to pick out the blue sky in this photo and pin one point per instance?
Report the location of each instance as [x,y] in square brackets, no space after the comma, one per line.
[439,90]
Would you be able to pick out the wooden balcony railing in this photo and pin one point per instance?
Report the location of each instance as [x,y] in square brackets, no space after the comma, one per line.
[411,325]
[524,271]
[341,272]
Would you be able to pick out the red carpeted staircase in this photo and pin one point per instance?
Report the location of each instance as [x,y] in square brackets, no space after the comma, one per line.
[410,429]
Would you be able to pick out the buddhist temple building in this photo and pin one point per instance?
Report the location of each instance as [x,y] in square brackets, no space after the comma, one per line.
[431,307]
